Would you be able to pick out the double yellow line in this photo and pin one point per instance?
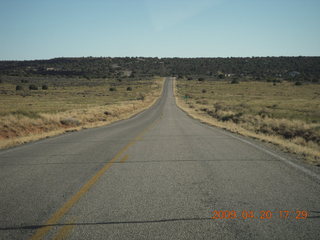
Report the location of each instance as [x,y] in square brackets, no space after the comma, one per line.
[40,233]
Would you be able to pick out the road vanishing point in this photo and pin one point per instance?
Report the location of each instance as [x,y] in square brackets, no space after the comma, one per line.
[158,175]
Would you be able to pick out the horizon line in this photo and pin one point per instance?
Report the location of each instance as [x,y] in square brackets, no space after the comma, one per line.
[170,57]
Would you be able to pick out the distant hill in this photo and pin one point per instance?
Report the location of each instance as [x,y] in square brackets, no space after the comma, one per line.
[255,68]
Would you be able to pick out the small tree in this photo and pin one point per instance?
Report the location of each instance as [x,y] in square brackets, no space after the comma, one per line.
[129,88]
[44,87]
[221,76]
[298,83]
[19,88]
[33,87]
[235,81]
[112,89]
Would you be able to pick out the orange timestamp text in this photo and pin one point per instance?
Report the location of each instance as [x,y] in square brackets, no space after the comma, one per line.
[265,214]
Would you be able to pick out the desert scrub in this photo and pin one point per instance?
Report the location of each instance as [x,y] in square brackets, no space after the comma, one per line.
[284,114]
[66,107]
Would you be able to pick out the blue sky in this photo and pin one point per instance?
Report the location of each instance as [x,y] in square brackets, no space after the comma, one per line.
[41,29]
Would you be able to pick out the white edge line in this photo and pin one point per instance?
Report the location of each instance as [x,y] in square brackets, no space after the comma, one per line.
[292,164]
[305,170]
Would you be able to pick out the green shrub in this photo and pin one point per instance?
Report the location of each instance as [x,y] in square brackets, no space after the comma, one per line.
[112,89]
[235,81]
[221,76]
[129,88]
[19,88]
[33,87]
[298,83]
[44,87]
[187,95]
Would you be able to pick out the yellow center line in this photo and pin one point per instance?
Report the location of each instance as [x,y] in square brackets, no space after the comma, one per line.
[64,231]
[124,159]
[40,233]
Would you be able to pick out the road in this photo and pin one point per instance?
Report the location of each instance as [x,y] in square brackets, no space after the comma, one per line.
[158,175]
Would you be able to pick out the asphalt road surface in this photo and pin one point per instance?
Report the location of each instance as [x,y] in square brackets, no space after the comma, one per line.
[158,175]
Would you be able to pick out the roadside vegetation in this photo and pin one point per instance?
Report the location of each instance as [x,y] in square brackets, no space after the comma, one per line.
[38,107]
[282,113]
[272,98]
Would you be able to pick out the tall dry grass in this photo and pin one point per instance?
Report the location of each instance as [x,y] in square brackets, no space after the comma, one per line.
[292,135]
[23,126]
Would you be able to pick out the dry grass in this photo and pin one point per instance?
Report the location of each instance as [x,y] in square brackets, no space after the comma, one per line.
[42,114]
[285,115]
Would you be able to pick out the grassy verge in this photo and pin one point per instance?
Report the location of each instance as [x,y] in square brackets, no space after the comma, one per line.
[29,115]
[283,114]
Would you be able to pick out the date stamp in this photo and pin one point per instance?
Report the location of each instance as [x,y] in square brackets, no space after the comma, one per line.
[264,214]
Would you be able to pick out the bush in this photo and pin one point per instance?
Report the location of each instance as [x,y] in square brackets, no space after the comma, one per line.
[141,97]
[129,88]
[187,95]
[19,88]
[33,87]
[112,89]
[236,118]
[200,79]
[70,122]
[204,91]
[235,81]
[219,106]
[298,83]
[44,87]
[221,76]
[190,78]
[203,102]
[29,114]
